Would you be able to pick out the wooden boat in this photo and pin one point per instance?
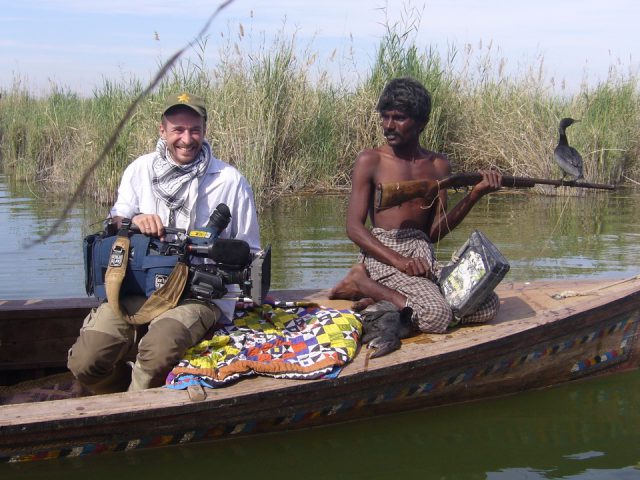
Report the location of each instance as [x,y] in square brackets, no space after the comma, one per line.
[536,341]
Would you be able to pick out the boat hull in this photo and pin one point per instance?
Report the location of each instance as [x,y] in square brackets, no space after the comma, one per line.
[530,345]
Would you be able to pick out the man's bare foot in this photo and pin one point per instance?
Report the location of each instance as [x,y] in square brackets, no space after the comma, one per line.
[347,288]
[361,304]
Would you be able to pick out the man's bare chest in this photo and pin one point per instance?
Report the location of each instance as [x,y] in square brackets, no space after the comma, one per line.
[393,170]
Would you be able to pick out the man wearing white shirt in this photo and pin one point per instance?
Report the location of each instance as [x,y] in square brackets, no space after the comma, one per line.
[179,185]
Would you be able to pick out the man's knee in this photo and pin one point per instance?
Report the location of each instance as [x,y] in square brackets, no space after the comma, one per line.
[487,311]
[196,317]
[432,318]
[93,356]
[170,335]
[163,344]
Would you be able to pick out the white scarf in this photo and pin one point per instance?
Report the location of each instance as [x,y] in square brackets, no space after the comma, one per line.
[174,184]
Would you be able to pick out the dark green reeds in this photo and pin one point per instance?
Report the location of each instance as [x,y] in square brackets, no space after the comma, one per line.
[279,116]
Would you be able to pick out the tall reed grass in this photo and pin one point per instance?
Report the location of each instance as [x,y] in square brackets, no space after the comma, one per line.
[276,115]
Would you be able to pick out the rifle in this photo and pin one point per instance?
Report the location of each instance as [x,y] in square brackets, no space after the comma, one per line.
[394,193]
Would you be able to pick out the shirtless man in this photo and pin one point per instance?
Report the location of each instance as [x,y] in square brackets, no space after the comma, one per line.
[397,260]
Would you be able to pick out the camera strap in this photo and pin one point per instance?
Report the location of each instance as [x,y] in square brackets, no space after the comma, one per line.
[161,300]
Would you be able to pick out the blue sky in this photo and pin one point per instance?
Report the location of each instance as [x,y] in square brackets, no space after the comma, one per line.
[78,43]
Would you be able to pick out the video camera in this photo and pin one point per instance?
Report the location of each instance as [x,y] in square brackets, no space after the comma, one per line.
[232,262]
[214,263]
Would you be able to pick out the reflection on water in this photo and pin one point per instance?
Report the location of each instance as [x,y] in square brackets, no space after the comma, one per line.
[542,237]
[51,269]
[310,247]
[560,237]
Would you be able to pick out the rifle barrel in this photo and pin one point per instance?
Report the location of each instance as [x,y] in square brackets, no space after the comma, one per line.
[508,181]
[392,194]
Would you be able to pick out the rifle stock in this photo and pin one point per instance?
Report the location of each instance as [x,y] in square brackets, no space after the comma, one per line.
[394,193]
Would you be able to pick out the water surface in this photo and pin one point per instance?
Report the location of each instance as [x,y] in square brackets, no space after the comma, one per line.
[585,430]
[596,235]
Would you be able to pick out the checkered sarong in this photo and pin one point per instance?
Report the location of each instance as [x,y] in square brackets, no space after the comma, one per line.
[431,313]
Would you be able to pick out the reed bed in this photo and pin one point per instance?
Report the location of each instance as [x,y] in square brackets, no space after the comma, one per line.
[277,115]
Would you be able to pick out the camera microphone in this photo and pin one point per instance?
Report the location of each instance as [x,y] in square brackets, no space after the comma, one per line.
[219,220]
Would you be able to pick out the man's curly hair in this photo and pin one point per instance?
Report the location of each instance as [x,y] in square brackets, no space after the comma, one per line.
[408,96]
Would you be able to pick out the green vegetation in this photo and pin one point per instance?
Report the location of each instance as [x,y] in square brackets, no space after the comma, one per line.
[277,116]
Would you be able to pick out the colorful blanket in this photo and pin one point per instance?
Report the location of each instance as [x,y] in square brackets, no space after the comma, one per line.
[294,340]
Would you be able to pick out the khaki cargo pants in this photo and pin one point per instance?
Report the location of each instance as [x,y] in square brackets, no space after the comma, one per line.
[99,357]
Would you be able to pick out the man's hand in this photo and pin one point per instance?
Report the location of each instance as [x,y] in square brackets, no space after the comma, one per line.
[149,224]
[414,267]
[491,181]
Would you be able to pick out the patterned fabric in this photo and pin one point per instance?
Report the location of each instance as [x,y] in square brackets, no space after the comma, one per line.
[431,313]
[486,312]
[301,341]
[173,183]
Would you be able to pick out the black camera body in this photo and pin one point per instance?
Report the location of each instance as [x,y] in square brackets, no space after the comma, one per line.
[230,263]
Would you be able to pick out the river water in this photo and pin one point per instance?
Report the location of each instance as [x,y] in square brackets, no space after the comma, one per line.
[585,430]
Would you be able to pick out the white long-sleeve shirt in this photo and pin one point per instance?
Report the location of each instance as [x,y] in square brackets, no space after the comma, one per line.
[221,183]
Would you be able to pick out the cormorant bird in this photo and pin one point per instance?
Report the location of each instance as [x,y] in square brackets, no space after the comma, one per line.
[383,326]
[566,156]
